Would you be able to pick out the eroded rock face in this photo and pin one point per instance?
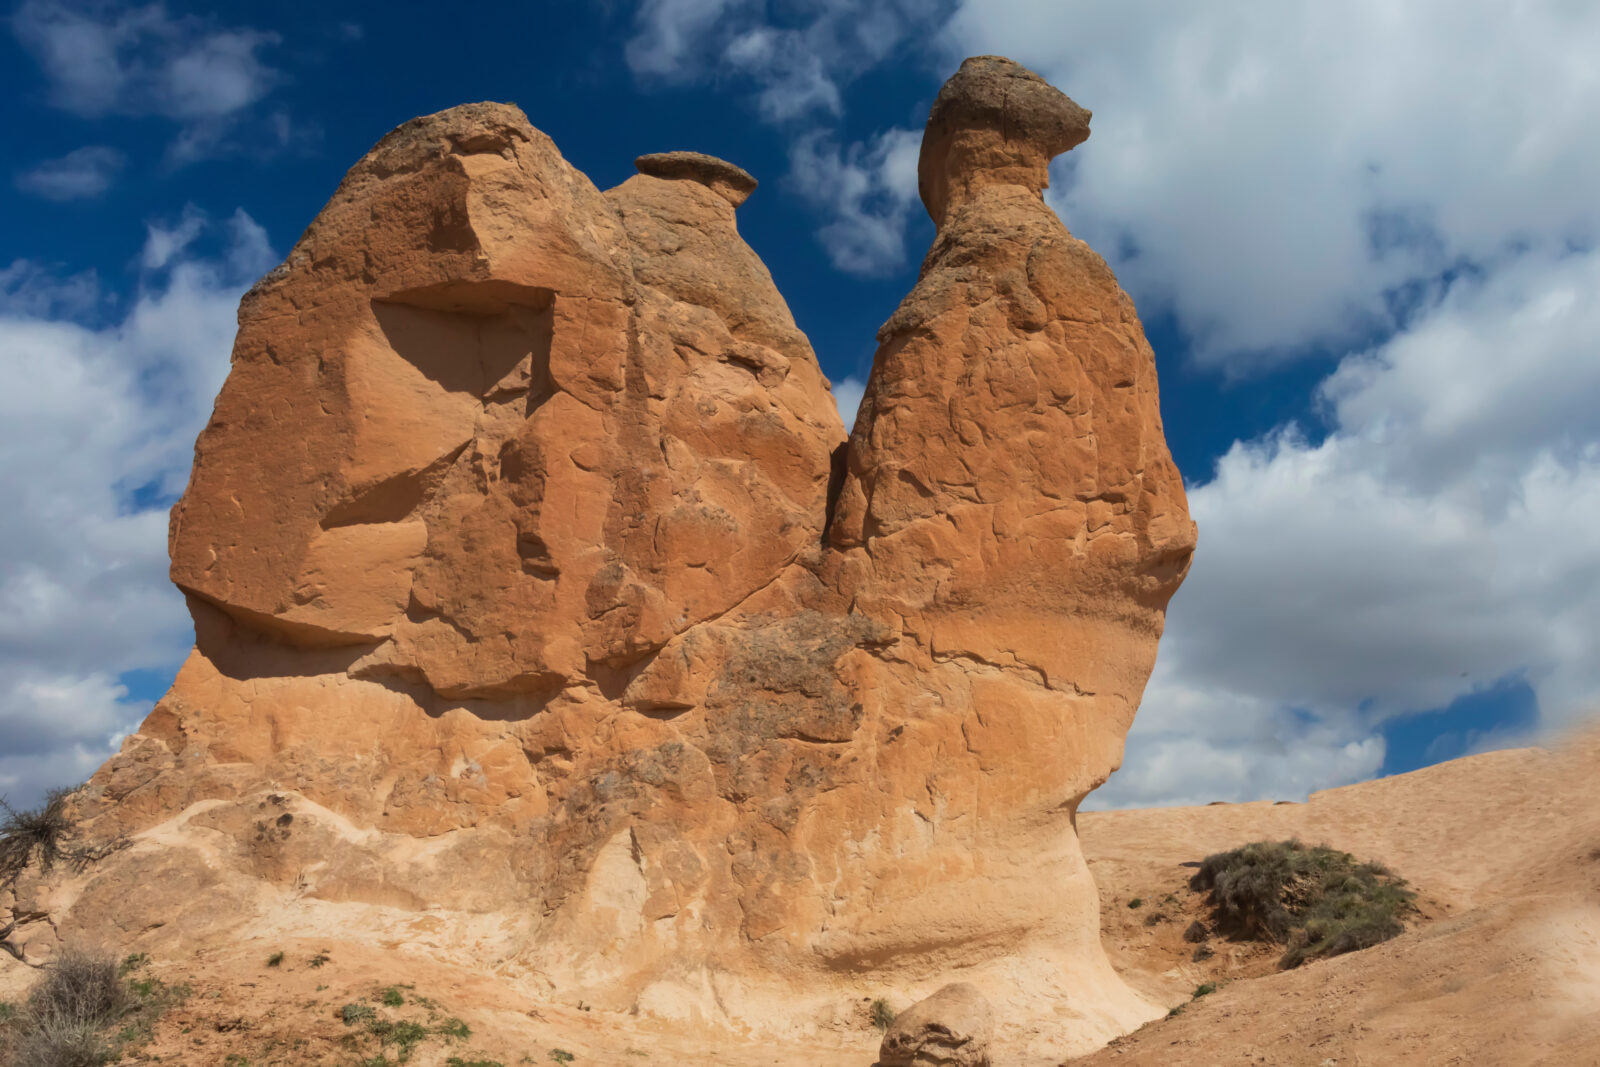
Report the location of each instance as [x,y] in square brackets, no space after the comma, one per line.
[536,587]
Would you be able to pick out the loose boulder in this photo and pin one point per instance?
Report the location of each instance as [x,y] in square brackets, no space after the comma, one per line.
[952,1028]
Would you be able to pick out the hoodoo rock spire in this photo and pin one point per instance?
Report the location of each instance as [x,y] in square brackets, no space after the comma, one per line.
[537,588]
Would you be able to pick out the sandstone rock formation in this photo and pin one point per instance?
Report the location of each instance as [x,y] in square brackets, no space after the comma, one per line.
[952,1028]
[545,618]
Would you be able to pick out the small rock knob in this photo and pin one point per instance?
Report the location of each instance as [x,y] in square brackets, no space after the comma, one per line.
[734,184]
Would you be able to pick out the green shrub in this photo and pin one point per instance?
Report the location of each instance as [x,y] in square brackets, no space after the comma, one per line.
[882,1014]
[392,997]
[454,1028]
[357,1013]
[405,1035]
[275,960]
[457,1061]
[1317,901]
[1136,902]
[1203,988]
[561,1055]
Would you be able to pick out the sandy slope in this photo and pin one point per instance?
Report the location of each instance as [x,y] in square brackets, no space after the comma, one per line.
[1502,967]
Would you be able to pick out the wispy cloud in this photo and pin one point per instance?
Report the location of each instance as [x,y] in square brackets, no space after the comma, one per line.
[868,188]
[108,59]
[82,174]
[671,36]
[796,71]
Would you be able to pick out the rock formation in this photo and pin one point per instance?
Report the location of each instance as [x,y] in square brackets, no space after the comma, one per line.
[545,617]
[952,1028]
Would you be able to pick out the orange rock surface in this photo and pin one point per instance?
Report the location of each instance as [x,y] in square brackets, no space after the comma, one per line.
[546,620]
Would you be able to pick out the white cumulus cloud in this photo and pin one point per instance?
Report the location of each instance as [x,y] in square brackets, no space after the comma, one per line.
[1278,174]
[1438,540]
[97,428]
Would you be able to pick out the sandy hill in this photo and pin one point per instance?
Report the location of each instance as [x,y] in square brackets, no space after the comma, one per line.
[1503,966]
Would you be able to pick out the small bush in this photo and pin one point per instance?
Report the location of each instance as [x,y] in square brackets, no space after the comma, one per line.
[357,1013]
[392,997]
[61,1043]
[1317,901]
[561,1055]
[1204,988]
[881,1014]
[318,960]
[455,1029]
[68,1012]
[405,1036]
[1136,902]
[8,1011]
[1202,954]
[457,1061]
[80,987]
[275,960]
[1196,932]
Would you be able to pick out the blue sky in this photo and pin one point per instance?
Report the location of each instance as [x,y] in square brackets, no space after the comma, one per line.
[1363,244]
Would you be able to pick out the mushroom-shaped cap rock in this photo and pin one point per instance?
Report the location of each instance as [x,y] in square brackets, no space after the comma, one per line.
[994,121]
[732,183]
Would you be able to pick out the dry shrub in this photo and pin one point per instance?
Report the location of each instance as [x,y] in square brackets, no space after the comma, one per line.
[79,986]
[1317,901]
[42,831]
[47,834]
[60,1043]
[68,1012]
